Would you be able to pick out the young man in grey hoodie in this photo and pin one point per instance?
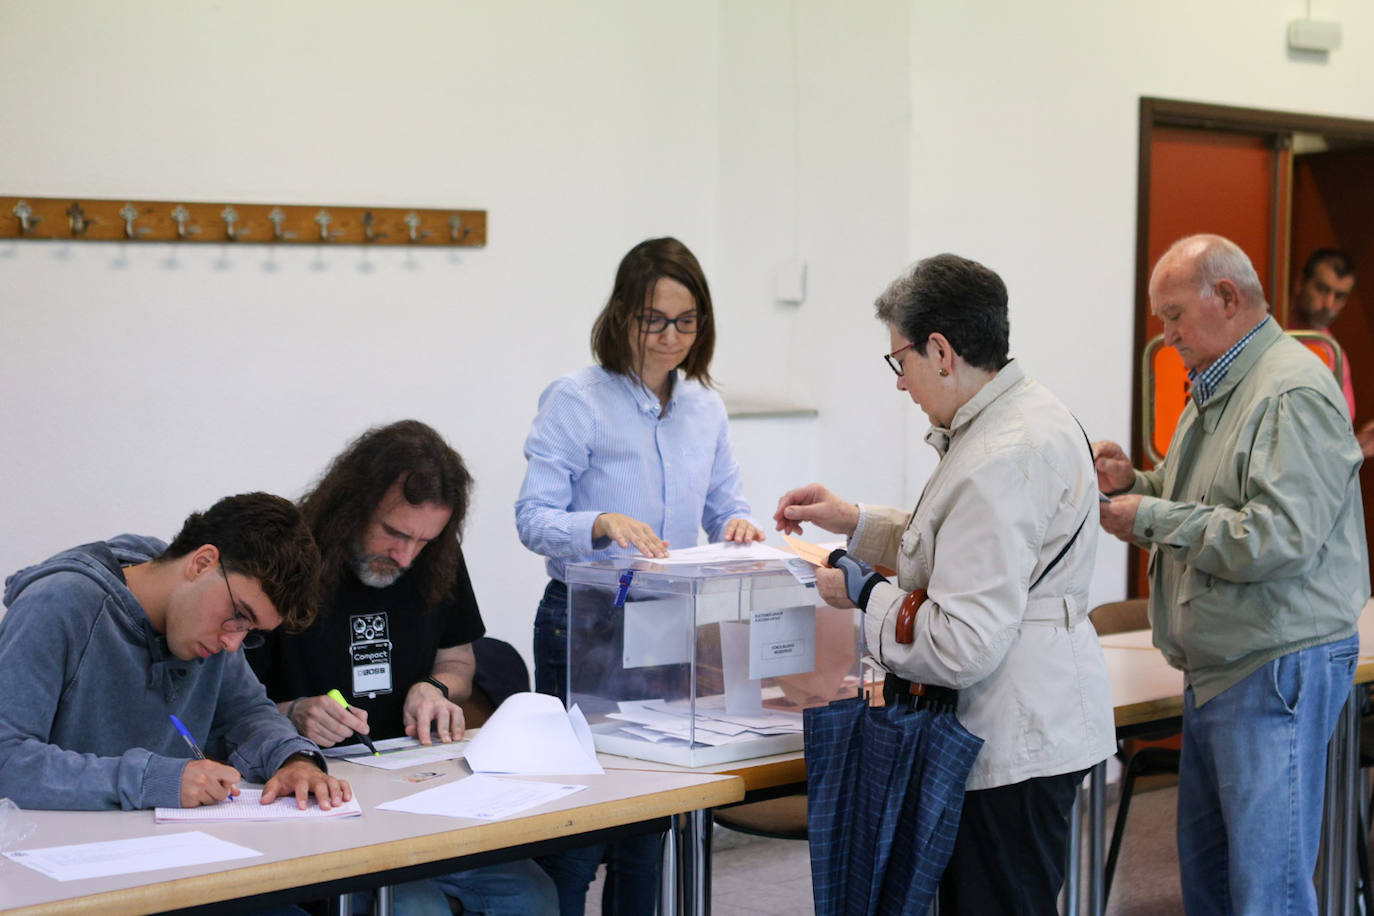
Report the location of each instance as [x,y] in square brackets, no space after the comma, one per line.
[102,643]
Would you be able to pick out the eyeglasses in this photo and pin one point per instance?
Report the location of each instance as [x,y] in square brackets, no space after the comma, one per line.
[239,622]
[893,361]
[653,323]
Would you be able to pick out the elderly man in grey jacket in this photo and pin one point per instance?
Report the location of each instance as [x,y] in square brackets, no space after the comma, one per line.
[1258,571]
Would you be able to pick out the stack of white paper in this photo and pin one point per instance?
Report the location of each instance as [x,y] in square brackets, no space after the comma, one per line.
[658,721]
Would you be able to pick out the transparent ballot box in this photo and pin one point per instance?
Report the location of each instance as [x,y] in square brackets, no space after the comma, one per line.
[703,663]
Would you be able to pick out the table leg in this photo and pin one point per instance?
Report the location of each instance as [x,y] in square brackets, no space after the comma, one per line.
[669,876]
[1097,813]
[1073,870]
[695,856]
[381,903]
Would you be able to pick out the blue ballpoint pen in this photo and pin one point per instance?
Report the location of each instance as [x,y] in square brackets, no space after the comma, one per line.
[186,733]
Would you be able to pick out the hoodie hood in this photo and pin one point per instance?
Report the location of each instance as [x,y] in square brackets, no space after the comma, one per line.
[99,561]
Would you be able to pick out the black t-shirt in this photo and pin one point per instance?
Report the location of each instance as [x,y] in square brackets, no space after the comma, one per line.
[372,645]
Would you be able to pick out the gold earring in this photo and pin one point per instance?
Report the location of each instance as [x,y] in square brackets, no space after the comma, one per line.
[944,373]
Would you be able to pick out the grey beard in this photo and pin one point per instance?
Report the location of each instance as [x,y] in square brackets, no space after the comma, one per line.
[374,577]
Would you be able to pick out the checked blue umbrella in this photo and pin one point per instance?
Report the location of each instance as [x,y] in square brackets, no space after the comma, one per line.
[885,786]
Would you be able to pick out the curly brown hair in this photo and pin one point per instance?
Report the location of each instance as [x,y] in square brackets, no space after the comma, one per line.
[639,271]
[263,537]
[344,498]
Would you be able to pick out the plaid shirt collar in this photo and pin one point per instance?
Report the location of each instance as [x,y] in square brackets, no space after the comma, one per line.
[1204,384]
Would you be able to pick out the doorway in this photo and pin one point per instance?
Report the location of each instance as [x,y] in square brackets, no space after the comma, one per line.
[1279,184]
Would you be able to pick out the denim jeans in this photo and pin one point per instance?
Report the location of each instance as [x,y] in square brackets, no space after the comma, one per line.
[414,898]
[632,864]
[519,888]
[513,889]
[551,642]
[1251,780]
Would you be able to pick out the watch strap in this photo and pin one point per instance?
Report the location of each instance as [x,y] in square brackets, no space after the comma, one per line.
[430,679]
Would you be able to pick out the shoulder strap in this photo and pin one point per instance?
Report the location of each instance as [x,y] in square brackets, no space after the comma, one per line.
[1065,549]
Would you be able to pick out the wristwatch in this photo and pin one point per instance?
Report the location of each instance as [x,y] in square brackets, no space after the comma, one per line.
[437,683]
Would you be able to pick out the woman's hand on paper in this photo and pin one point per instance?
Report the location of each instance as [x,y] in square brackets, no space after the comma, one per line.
[626,531]
[743,531]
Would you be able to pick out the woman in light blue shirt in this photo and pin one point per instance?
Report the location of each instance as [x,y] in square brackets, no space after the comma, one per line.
[629,456]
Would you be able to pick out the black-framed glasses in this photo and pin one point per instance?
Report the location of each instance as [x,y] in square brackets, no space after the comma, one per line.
[893,361]
[653,323]
[239,621]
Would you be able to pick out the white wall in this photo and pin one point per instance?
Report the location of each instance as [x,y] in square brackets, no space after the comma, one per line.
[1024,148]
[143,381]
[138,382]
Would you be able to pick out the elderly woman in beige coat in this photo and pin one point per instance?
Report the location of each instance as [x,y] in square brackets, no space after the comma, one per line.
[996,560]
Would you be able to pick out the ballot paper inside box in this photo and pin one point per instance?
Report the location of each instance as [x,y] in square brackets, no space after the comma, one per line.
[702,663]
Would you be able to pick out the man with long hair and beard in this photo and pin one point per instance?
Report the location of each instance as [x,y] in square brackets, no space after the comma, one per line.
[395,629]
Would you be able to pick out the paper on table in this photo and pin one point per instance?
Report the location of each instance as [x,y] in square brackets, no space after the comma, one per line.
[415,755]
[723,551]
[383,745]
[481,797]
[127,857]
[532,733]
[248,807]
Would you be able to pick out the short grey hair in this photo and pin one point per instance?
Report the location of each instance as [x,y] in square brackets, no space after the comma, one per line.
[1216,258]
[961,299]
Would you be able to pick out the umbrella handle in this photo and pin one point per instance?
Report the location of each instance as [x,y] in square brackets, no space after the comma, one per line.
[906,616]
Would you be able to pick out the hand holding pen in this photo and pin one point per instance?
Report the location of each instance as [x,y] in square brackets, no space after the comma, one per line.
[203,781]
[326,721]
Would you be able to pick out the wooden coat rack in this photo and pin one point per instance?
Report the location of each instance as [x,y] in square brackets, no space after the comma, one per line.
[84,220]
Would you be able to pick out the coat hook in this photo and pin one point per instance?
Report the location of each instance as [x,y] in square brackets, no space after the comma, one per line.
[412,221]
[455,224]
[230,217]
[129,213]
[26,217]
[324,219]
[179,216]
[76,218]
[277,218]
[368,221]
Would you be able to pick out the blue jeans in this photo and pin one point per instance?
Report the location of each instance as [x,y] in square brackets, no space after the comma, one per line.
[632,864]
[513,889]
[1251,780]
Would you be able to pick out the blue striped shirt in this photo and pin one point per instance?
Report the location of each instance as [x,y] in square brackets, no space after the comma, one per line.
[599,445]
[1204,384]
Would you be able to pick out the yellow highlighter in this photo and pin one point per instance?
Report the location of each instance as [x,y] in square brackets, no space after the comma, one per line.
[339,698]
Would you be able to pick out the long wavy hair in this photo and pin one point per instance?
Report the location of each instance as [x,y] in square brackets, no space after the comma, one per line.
[343,500]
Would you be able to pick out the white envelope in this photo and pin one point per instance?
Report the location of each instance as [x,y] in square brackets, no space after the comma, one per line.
[532,733]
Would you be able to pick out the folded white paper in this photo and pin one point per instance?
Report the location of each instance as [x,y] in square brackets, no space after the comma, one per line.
[532,733]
